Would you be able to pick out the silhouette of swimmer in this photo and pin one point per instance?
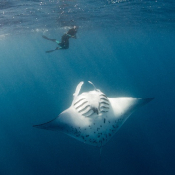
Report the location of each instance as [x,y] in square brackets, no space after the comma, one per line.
[64,44]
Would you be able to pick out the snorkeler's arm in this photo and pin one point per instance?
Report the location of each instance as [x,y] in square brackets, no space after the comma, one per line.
[74,36]
[71,36]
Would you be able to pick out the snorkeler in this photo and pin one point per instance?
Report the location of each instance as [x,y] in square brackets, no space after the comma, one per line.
[64,44]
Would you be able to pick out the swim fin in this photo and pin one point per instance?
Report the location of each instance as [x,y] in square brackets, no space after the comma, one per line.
[45,37]
[57,48]
[49,51]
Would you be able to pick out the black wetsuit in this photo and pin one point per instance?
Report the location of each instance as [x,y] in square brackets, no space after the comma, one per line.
[65,38]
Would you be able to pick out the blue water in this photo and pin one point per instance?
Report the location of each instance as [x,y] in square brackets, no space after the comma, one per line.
[126,48]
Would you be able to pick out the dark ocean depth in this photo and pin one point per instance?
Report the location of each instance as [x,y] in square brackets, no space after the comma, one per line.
[135,59]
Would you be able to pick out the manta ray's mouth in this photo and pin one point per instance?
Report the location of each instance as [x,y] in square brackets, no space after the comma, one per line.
[95,110]
[90,104]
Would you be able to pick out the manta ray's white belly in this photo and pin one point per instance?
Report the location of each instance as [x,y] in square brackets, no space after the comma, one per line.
[95,107]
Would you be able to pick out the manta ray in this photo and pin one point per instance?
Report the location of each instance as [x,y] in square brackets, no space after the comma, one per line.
[93,118]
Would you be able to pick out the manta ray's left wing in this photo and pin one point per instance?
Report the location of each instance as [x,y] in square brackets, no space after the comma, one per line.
[122,108]
[127,105]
